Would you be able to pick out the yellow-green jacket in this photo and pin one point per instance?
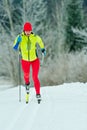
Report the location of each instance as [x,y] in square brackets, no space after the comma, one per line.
[27,46]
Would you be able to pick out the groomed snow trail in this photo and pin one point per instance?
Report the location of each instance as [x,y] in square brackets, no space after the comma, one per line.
[63,107]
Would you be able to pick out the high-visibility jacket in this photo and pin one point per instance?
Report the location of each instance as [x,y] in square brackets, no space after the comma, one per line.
[28,47]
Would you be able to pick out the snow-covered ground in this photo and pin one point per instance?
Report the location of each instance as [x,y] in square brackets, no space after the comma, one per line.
[63,107]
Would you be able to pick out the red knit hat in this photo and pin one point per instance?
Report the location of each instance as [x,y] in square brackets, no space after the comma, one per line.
[27,27]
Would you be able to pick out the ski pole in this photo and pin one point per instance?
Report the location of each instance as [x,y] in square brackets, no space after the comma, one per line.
[42,59]
[19,76]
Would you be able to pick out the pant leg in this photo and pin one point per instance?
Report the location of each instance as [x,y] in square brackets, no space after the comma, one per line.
[26,71]
[35,71]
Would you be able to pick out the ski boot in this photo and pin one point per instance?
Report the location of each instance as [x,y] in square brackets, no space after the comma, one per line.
[27,93]
[38,96]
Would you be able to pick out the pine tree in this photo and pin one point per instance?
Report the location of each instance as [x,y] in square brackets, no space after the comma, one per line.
[74,19]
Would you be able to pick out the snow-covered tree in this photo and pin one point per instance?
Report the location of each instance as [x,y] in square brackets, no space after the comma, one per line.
[56,28]
[81,35]
[74,19]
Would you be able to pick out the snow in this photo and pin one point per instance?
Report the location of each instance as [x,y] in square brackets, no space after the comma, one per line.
[63,107]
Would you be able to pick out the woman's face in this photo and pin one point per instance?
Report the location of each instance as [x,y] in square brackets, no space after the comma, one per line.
[27,33]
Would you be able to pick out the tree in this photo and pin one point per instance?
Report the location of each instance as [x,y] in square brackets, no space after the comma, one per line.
[74,19]
[81,34]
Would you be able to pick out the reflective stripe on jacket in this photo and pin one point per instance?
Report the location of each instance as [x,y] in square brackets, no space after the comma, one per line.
[28,46]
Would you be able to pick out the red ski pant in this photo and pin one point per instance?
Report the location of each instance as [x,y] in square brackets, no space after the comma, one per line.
[35,70]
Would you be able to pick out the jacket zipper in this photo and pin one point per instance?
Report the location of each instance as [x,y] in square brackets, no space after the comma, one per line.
[28,45]
[28,49]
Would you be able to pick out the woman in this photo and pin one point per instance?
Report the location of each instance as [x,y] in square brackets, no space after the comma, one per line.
[26,43]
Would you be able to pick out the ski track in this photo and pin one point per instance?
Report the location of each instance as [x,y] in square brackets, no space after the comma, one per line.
[22,120]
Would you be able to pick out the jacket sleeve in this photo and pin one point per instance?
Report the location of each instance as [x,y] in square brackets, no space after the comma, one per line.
[16,43]
[40,42]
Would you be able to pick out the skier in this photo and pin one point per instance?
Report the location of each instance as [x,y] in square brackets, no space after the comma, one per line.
[26,44]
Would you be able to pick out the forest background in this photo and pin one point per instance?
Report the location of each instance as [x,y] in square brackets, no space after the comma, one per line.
[62,24]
